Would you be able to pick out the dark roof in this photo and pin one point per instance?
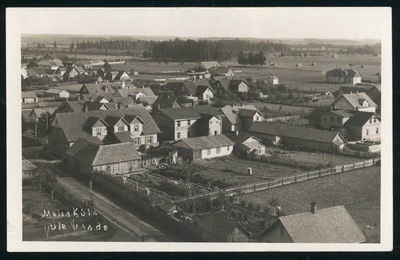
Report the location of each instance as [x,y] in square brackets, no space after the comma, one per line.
[347,73]
[284,130]
[190,86]
[208,64]
[113,120]
[220,70]
[315,115]
[232,113]
[166,102]
[191,112]
[360,118]
[121,137]
[95,154]
[91,121]
[236,82]
[247,112]
[329,225]
[204,142]
[342,113]
[172,85]
[166,206]
[218,225]
[72,122]
[149,100]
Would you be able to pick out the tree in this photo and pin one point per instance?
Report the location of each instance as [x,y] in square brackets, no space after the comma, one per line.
[72,47]
[107,66]
[55,45]
[242,59]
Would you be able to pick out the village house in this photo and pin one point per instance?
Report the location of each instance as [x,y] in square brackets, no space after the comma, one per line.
[328,225]
[116,75]
[24,73]
[66,128]
[28,97]
[272,81]
[39,112]
[165,102]
[354,102]
[28,168]
[61,71]
[86,157]
[233,85]
[196,91]
[36,73]
[245,145]
[207,65]
[204,147]
[147,102]
[92,91]
[295,136]
[215,227]
[335,119]
[339,75]
[53,64]
[239,118]
[364,126]
[58,93]
[185,122]
[72,73]
[223,72]
[372,90]
[169,208]
[87,65]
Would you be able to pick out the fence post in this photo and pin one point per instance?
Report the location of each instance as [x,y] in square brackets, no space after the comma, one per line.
[354,166]
[282,181]
[364,163]
[269,184]
[295,178]
[342,168]
[319,172]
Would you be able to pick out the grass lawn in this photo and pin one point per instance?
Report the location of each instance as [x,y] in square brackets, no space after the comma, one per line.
[358,191]
[237,173]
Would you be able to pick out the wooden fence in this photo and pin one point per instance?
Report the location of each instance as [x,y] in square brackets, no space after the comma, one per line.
[289,180]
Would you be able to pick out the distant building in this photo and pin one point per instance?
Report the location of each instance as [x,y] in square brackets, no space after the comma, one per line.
[329,225]
[272,81]
[233,85]
[207,65]
[28,97]
[339,75]
[335,119]
[59,93]
[239,118]
[364,126]
[247,145]
[355,102]
[223,72]
[372,90]
[198,91]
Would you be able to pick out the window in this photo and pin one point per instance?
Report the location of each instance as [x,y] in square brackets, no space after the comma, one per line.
[137,141]
[227,148]
[338,119]
[208,151]
[331,118]
[370,121]
[178,123]
[210,122]
[258,118]
[218,150]
[149,139]
[178,135]
[375,120]
[188,122]
[121,128]
[98,131]
[136,127]
[377,130]
[367,132]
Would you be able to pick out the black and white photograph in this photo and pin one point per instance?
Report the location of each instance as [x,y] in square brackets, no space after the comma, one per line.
[178,129]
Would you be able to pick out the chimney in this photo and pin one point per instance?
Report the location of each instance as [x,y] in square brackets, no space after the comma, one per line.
[119,105]
[158,106]
[79,97]
[90,99]
[85,107]
[241,103]
[232,105]
[313,207]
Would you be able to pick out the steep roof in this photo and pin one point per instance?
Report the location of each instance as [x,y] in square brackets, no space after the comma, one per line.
[172,85]
[247,112]
[42,110]
[360,118]
[191,112]
[165,102]
[72,122]
[220,70]
[232,113]
[147,91]
[55,91]
[356,100]
[329,225]
[121,137]
[218,225]
[149,100]
[205,142]
[208,64]
[347,73]
[284,130]
[315,115]
[95,154]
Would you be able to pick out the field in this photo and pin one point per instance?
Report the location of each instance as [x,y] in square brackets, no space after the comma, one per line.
[284,108]
[234,171]
[358,191]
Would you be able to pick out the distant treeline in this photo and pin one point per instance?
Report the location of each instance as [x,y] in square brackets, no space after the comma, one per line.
[184,50]
[251,58]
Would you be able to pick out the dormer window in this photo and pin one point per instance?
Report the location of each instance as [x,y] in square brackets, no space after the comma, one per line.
[98,131]
[121,128]
[136,127]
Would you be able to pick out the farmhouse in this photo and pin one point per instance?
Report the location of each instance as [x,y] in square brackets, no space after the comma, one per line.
[207,65]
[166,102]
[335,119]
[85,157]
[239,118]
[39,112]
[197,91]
[329,225]
[24,73]
[364,126]
[354,102]
[204,147]
[85,64]
[35,72]
[217,228]
[71,73]
[28,97]
[272,81]
[339,75]
[66,128]
[233,85]
[289,135]
[59,93]
[90,92]
[179,123]
[223,72]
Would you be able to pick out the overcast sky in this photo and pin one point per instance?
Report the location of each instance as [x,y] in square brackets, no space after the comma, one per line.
[328,23]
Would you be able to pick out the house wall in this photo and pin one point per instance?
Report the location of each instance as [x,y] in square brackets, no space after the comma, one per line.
[276,233]
[367,109]
[343,104]
[185,129]
[360,133]
[166,126]
[28,100]
[119,167]
[207,95]
[216,152]
[215,126]
[120,124]
[331,120]
[57,143]
[64,94]
[125,76]
[243,87]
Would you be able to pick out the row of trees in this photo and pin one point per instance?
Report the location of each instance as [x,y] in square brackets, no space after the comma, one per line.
[251,58]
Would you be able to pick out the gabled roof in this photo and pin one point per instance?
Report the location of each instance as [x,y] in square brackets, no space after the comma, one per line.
[128,92]
[347,73]
[285,130]
[247,112]
[42,110]
[341,113]
[95,154]
[166,206]
[91,121]
[360,118]
[220,70]
[172,85]
[72,123]
[191,112]
[356,99]
[315,115]
[121,137]
[232,113]
[147,91]
[120,73]
[149,100]
[236,82]
[79,69]
[329,225]
[238,139]
[113,120]
[55,91]
[28,94]
[165,102]
[218,225]
[204,142]
[208,64]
